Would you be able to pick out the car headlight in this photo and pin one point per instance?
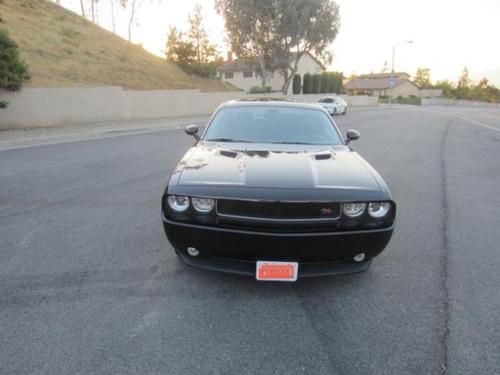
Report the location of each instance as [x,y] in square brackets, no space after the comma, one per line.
[203,205]
[354,209]
[378,209]
[178,203]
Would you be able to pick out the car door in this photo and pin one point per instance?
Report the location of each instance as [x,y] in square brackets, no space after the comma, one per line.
[339,105]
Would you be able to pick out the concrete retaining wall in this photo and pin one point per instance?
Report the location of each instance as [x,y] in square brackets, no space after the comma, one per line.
[430,93]
[41,107]
[461,103]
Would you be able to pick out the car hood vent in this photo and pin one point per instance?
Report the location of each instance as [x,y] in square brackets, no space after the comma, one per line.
[228,153]
[324,155]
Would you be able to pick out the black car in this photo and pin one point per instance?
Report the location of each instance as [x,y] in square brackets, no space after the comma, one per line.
[272,190]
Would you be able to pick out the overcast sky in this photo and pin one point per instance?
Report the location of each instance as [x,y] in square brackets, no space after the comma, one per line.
[447,34]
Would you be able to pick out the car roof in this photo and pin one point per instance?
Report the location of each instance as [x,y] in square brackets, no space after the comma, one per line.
[269,102]
[331,97]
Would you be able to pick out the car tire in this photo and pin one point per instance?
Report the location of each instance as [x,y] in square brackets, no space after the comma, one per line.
[345,111]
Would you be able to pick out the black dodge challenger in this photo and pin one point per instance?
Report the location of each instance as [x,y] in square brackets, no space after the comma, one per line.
[271,189]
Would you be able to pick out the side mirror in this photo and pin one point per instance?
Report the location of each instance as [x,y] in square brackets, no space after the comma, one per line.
[352,135]
[192,130]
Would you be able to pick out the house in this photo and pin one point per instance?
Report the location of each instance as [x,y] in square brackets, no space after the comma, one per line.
[380,85]
[244,75]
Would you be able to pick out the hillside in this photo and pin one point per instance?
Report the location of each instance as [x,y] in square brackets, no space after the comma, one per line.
[63,49]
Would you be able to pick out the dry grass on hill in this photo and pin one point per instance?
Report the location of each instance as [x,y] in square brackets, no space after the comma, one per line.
[63,49]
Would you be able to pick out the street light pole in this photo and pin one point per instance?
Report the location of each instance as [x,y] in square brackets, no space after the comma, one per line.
[391,82]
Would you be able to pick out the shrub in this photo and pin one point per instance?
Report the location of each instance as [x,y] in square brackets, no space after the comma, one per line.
[412,99]
[259,90]
[315,83]
[324,82]
[340,82]
[307,84]
[205,70]
[383,99]
[335,84]
[13,72]
[296,86]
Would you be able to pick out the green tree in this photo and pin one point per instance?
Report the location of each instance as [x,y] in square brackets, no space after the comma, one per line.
[205,51]
[281,32]
[296,84]
[464,81]
[13,72]
[484,92]
[316,83]
[305,26]
[192,52]
[251,31]
[324,82]
[340,82]
[423,78]
[179,49]
[335,80]
[446,87]
[332,82]
[307,84]
[464,85]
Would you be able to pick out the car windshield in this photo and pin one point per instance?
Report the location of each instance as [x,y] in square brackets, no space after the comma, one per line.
[326,100]
[272,125]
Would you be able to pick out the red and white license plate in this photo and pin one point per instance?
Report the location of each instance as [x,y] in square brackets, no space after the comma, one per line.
[276,271]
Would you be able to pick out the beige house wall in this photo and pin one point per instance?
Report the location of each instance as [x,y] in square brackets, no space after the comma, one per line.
[404,89]
[246,83]
[306,65]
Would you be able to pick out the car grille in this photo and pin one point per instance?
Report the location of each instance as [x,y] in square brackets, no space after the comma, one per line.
[278,211]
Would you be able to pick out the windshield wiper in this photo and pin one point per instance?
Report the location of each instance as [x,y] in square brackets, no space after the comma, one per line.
[227,140]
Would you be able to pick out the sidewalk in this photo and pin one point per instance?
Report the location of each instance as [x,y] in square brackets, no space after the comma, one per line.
[19,138]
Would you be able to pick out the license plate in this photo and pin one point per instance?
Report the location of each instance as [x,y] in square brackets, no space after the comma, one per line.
[276,271]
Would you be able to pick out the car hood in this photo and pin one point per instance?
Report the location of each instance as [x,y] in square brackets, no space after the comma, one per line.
[327,105]
[285,167]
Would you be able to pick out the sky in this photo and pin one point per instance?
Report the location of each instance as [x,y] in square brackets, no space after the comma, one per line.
[447,35]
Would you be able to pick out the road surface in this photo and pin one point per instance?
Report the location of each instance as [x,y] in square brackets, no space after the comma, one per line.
[89,284]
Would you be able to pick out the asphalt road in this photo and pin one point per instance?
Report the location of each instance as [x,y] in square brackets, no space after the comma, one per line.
[89,284]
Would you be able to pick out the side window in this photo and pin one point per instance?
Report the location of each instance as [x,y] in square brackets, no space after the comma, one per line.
[229,75]
[247,74]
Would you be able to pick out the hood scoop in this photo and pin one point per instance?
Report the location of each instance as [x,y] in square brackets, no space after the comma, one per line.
[228,153]
[324,155]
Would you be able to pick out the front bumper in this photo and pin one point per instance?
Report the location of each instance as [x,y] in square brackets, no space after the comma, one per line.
[236,251]
[247,268]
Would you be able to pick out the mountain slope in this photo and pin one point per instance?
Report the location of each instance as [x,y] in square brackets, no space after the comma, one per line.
[63,49]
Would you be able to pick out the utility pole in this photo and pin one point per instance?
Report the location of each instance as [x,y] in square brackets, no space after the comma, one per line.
[391,81]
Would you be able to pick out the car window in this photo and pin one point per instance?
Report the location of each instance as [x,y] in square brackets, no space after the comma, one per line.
[325,100]
[273,125]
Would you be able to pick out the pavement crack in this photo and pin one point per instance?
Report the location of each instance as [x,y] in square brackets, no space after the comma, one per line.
[318,314]
[445,252]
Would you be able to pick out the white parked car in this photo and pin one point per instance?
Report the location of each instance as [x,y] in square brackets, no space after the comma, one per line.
[334,105]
